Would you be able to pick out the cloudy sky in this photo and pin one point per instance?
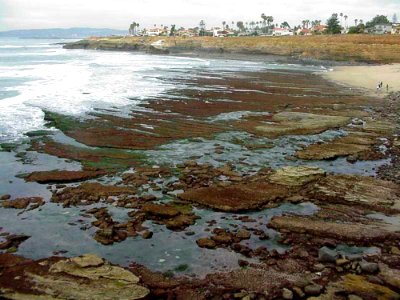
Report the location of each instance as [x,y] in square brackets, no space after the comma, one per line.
[24,14]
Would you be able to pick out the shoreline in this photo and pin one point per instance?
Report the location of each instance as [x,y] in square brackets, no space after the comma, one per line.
[245,183]
[338,49]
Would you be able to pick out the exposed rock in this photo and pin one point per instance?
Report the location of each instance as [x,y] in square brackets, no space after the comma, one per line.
[13,241]
[83,278]
[327,255]
[206,243]
[368,267]
[291,123]
[173,217]
[23,203]
[63,176]
[243,234]
[162,211]
[330,151]
[287,294]
[237,197]
[380,127]
[359,286]
[313,289]
[357,144]
[344,232]
[390,276]
[5,197]
[147,234]
[361,190]
[88,260]
[296,176]
[88,193]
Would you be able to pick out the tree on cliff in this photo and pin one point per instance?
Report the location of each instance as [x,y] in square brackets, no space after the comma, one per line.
[202,26]
[379,19]
[285,25]
[240,25]
[333,25]
[132,28]
[264,22]
[270,19]
[173,30]
[360,28]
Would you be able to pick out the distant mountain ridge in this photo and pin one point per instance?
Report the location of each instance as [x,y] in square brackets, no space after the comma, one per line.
[62,33]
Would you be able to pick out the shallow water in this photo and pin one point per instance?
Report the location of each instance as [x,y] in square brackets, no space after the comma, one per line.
[37,76]
[53,228]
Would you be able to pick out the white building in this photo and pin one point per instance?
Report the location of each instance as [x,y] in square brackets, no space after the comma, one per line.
[396,28]
[154,31]
[282,32]
[382,28]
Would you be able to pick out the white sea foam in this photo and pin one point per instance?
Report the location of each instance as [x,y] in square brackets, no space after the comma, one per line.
[76,82]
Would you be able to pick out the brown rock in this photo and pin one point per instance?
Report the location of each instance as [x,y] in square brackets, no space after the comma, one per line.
[206,243]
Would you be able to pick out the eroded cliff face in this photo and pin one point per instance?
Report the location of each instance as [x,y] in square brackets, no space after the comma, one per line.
[345,48]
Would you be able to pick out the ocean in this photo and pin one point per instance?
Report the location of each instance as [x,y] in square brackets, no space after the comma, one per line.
[38,75]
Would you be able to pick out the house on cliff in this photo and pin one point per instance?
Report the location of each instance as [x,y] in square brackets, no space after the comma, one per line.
[395,28]
[282,31]
[382,29]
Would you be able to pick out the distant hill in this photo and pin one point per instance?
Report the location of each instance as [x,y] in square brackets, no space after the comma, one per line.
[62,33]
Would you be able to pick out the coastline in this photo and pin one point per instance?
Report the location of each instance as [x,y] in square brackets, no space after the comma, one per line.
[245,184]
[367,78]
[338,49]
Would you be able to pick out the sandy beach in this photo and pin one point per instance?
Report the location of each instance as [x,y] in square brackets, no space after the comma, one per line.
[368,77]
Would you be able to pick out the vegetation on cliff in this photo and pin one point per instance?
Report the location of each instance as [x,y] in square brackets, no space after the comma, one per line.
[356,48]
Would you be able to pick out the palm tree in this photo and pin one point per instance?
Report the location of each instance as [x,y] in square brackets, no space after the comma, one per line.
[341,19]
[345,20]
[132,28]
[270,19]
[223,24]
[202,26]
[361,21]
[285,25]
[264,18]
[355,21]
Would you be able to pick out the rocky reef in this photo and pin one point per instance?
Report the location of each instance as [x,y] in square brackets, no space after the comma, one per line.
[265,192]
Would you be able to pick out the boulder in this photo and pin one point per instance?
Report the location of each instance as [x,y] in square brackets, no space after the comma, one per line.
[327,255]
[296,176]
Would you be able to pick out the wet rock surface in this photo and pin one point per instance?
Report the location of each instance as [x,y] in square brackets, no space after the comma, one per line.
[87,277]
[304,224]
[63,176]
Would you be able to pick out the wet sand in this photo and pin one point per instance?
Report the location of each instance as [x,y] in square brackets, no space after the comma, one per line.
[368,77]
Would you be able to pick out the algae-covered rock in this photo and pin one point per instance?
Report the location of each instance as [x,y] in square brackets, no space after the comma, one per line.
[330,151]
[356,287]
[389,276]
[362,190]
[290,123]
[341,231]
[237,197]
[81,278]
[93,267]
[296,176]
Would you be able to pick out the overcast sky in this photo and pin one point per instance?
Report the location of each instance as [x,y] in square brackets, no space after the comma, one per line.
[118,14]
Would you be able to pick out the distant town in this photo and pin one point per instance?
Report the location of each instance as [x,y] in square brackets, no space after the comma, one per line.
[267,26]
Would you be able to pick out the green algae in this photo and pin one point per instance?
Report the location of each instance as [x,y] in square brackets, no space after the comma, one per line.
[99,158]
